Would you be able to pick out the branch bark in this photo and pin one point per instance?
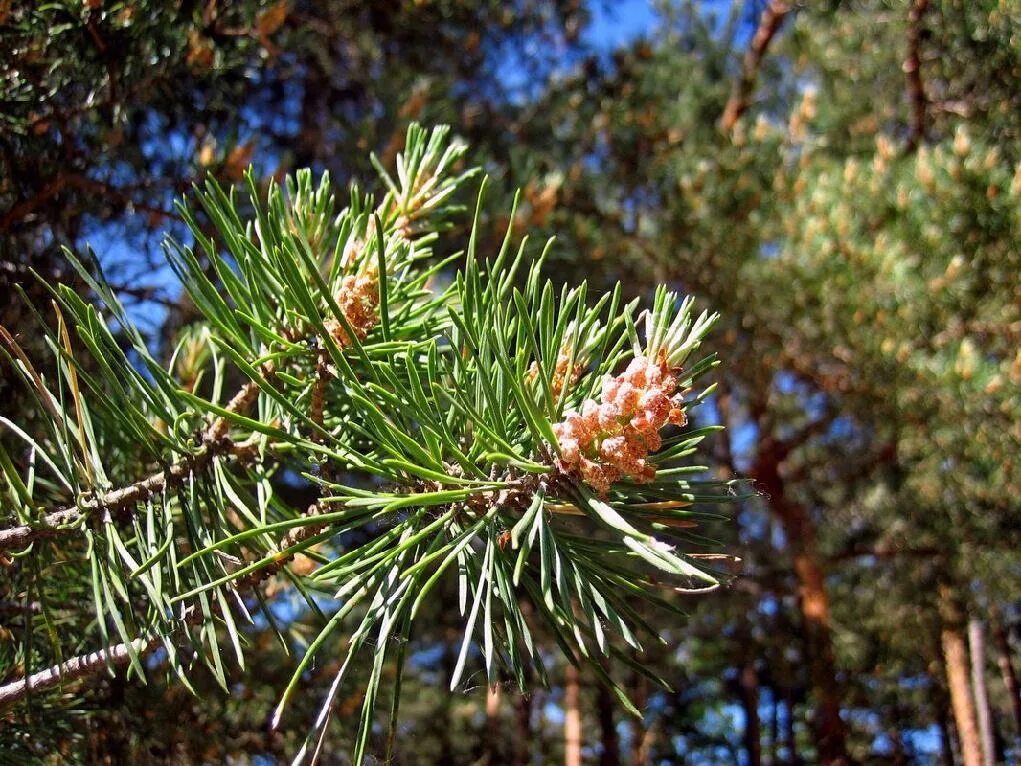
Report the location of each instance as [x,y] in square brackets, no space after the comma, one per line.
[215,442]
[67,181]
[120,654]
[913,71]
[769,24]
[76,668]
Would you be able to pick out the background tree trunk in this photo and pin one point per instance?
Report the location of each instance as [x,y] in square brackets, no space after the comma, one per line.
[946,741]
[830,735]
[955,657]
[749,684]
[774,727]
[790,732]
[1002,644]
[522,729]
[572,716]
[610,751]
[641,738]
[447,663]
[977,644]
[493,725]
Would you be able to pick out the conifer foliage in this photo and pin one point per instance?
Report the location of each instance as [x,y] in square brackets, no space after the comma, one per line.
[472,423]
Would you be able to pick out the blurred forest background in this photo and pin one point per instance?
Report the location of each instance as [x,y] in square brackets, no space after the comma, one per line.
[840,180]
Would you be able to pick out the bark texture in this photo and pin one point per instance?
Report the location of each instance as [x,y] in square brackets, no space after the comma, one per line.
[740,95]
[977,645]
[955,658]
[1002,643]
[748,681]
[572,716]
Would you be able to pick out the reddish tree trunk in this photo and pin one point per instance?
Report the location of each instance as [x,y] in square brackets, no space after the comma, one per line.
[1002,644]
[641,738]
[977,645]
[749,684]
[830,734]
[610,751]
[523,730]
[955,658]
[572,716]
[493,725]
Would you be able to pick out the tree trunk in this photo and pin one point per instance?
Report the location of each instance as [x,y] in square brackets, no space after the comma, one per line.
[493,725]
[830,734]
[641,738]
[748,680]
[522,729]
[1002,644]
[955,657]
[898,757]
[829,727]
[946,742]
[447,663]
[774,726]
[977,644]
[572,716]
[610,750]
[913,71]
[790,733]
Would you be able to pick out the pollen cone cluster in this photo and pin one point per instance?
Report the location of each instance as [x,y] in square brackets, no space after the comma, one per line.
[611,439]
[561,377]
[358,299]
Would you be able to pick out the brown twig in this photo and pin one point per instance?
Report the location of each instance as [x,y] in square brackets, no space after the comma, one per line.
[83,183]
[286,552]
[215,442]
[913,70]
[26,207]
[769,24]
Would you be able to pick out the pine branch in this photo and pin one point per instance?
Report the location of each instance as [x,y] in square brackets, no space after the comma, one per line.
[769,24]
[120,654]
[76,668]
[480,424]
[214,443]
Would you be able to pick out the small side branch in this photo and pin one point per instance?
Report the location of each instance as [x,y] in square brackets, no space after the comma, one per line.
[75,668]
[215,442]
[286,548]
[118,655]
[913,70]
[741,92]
